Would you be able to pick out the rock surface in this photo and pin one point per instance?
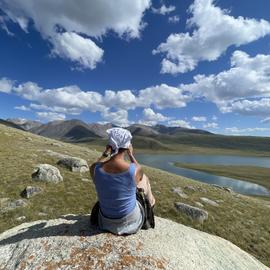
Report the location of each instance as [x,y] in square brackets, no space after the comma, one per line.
[11,205]
[69,243]
[74,164]
[208,201]
[191,211]
[30,191]
[180,192]
[47,173]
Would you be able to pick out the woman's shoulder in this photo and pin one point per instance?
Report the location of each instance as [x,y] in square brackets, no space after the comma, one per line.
[93,168]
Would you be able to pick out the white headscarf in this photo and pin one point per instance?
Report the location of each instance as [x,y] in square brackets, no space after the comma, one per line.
[119,138]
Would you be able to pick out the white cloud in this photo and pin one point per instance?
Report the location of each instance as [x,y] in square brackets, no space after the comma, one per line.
[248,107]
[199,118]
[78,49]
[22,108]
[162,96]
[215,31]
[244,88]
[6,85]
[266,120]
[28,90]
[212,125]
[180,123]
[174,19]
[71,28]
[73,100]
[120,100]
[119,118]
[50,116]
[151,118]
[72,111]
[163,10]
[245,131]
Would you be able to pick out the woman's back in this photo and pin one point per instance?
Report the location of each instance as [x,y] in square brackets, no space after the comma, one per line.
[116,188]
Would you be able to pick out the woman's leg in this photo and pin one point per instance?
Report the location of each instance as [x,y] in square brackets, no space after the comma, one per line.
[145,184]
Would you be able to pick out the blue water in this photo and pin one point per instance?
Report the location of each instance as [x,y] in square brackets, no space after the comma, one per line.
[165,162]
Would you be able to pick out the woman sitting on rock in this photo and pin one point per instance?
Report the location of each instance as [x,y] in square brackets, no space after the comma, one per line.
[116,182]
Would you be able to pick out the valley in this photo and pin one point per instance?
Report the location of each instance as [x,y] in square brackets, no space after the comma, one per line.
[228,212]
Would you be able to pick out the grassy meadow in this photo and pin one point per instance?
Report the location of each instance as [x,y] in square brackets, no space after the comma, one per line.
[240,219]
[193,144]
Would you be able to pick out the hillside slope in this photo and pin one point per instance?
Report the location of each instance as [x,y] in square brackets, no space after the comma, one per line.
[21,151]
[10,124]
[70,243]
[70,130]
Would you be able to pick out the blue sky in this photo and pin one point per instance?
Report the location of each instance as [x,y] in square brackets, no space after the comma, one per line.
[199,64]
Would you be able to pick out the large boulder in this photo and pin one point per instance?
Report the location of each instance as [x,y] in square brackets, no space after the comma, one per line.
[192,212]
[47,173]
[70,243]
[74,164]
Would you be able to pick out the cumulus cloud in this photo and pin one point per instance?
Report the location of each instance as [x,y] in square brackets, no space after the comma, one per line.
[118,118]
[78,49]
[151,118]
[71,111]
[50,116]
[163,10]
[120,99]
[199,118]
[6,85]
[244,88]
[215,31]
[180,123]
[174,19]
[22,108]
[162,96]
[71,29]
[260,107]
[212,125]
[72,100]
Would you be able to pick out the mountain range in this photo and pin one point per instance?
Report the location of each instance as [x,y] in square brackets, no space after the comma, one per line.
[156,138]
[76,130]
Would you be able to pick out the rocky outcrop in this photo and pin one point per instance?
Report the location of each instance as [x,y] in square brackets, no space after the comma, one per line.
[194,213]
[70,243]
[74,164]
[7,205]
[30,191]
[180,192]
[223,188]
[208,201]
[47,173]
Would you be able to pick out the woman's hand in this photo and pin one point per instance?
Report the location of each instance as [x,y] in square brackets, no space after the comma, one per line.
[130,150]
[108,150]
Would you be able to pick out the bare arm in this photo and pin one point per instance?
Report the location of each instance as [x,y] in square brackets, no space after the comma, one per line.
[102,158]
[139,171]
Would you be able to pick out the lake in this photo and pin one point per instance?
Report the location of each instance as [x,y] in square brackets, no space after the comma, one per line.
[166,163]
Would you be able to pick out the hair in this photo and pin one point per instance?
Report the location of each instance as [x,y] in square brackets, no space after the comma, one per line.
[121,150]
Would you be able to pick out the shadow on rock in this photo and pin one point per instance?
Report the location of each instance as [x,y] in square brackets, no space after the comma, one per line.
[78,226]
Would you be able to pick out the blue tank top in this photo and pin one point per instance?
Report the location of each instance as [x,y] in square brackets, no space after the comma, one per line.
[116,191]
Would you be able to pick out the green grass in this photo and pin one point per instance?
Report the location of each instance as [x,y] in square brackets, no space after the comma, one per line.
[192,144]
[240,219]
[258,175]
